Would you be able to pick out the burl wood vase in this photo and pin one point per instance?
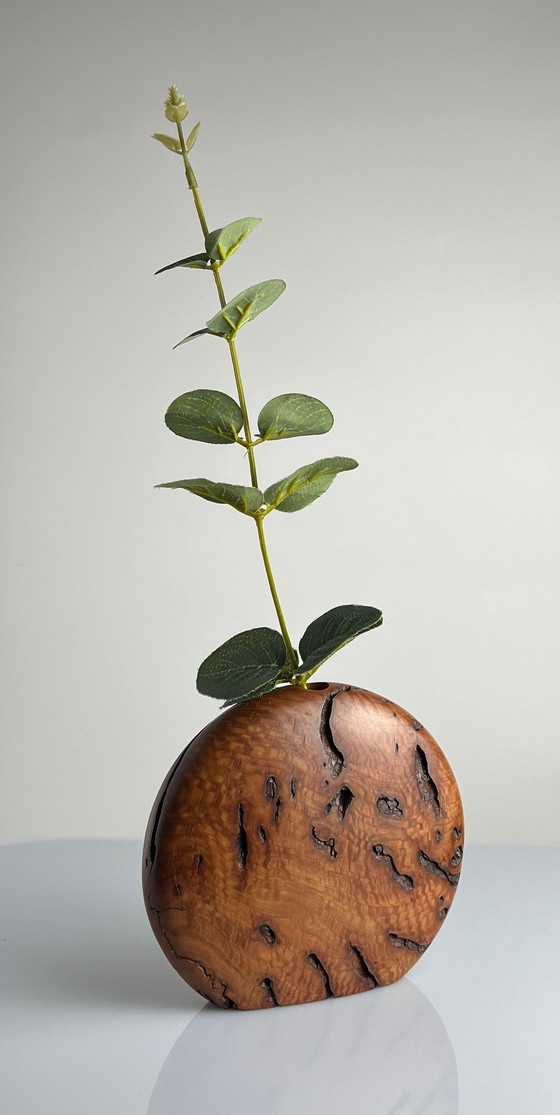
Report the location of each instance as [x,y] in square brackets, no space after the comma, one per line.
[306,844]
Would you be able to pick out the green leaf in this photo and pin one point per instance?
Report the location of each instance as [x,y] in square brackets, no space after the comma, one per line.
[191,336]
[247,665]
[170,142]
[223,242]
[191,138]
[245,306]
[294,416]
[306,484]
[201,260]
[260,691]
[205,416]
[246,500]
[332,631]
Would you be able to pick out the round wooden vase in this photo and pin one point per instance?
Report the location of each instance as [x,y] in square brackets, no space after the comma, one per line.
[306,844]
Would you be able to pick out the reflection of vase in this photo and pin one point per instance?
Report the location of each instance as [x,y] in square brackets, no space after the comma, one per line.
[372,1054]
[307,844]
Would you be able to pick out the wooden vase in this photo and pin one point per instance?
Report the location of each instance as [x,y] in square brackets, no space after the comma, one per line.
[306,844]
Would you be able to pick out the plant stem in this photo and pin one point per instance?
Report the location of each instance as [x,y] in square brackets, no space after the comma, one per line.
[272,586]
[193,186]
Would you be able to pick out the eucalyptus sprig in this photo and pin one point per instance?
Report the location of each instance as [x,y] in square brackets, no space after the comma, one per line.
[253,662]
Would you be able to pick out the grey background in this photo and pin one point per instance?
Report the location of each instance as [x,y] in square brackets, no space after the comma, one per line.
[404,159]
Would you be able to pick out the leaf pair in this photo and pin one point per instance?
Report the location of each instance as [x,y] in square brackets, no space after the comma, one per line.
[174,144]
[214,417]
[294,492]
[219,244]
[254,662]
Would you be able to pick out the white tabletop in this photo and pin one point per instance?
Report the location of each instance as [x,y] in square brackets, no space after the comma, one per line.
[94,1020]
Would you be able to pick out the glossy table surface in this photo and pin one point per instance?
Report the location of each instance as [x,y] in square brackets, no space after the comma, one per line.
[93,1019]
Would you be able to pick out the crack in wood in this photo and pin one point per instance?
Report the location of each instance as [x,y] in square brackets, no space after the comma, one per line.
[404,881]
[329,843]
[157,818]
[314,960]
[456,857]
[389,807]
[208,973]
[293,788]
[406,943]
[334,757]
[262,834]
[241,841]
[199,862]
[277,809]
[230,1004]
[426,784]
[362,967]
[269,988]
[436,869]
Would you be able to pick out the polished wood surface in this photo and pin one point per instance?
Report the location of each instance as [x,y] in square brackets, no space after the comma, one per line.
[306,844]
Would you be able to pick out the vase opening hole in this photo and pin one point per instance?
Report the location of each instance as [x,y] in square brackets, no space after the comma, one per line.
[318,685]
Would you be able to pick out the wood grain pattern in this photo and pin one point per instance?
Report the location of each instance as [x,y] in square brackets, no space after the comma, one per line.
[307,844]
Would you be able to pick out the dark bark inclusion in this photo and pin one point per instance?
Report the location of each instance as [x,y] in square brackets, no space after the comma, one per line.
[270,788]
[436,869]
[268,933]
[404,881]
[389,807]
[314,960]
[241,842]
[362,967]
[341,802]
[426,784]
[328,843]
[406,943]
[269,988]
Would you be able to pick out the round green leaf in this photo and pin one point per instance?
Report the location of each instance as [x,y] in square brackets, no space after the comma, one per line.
[294,416]
[246,500]
[246,665]
[205,416]
[223,242]
[334,630]
[306,484]
[245,306]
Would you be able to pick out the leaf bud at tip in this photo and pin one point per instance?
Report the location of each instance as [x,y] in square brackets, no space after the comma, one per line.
[175,107]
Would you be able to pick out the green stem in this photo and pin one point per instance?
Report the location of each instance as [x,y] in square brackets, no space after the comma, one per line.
[272,586]
[243,405]
[193,187]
